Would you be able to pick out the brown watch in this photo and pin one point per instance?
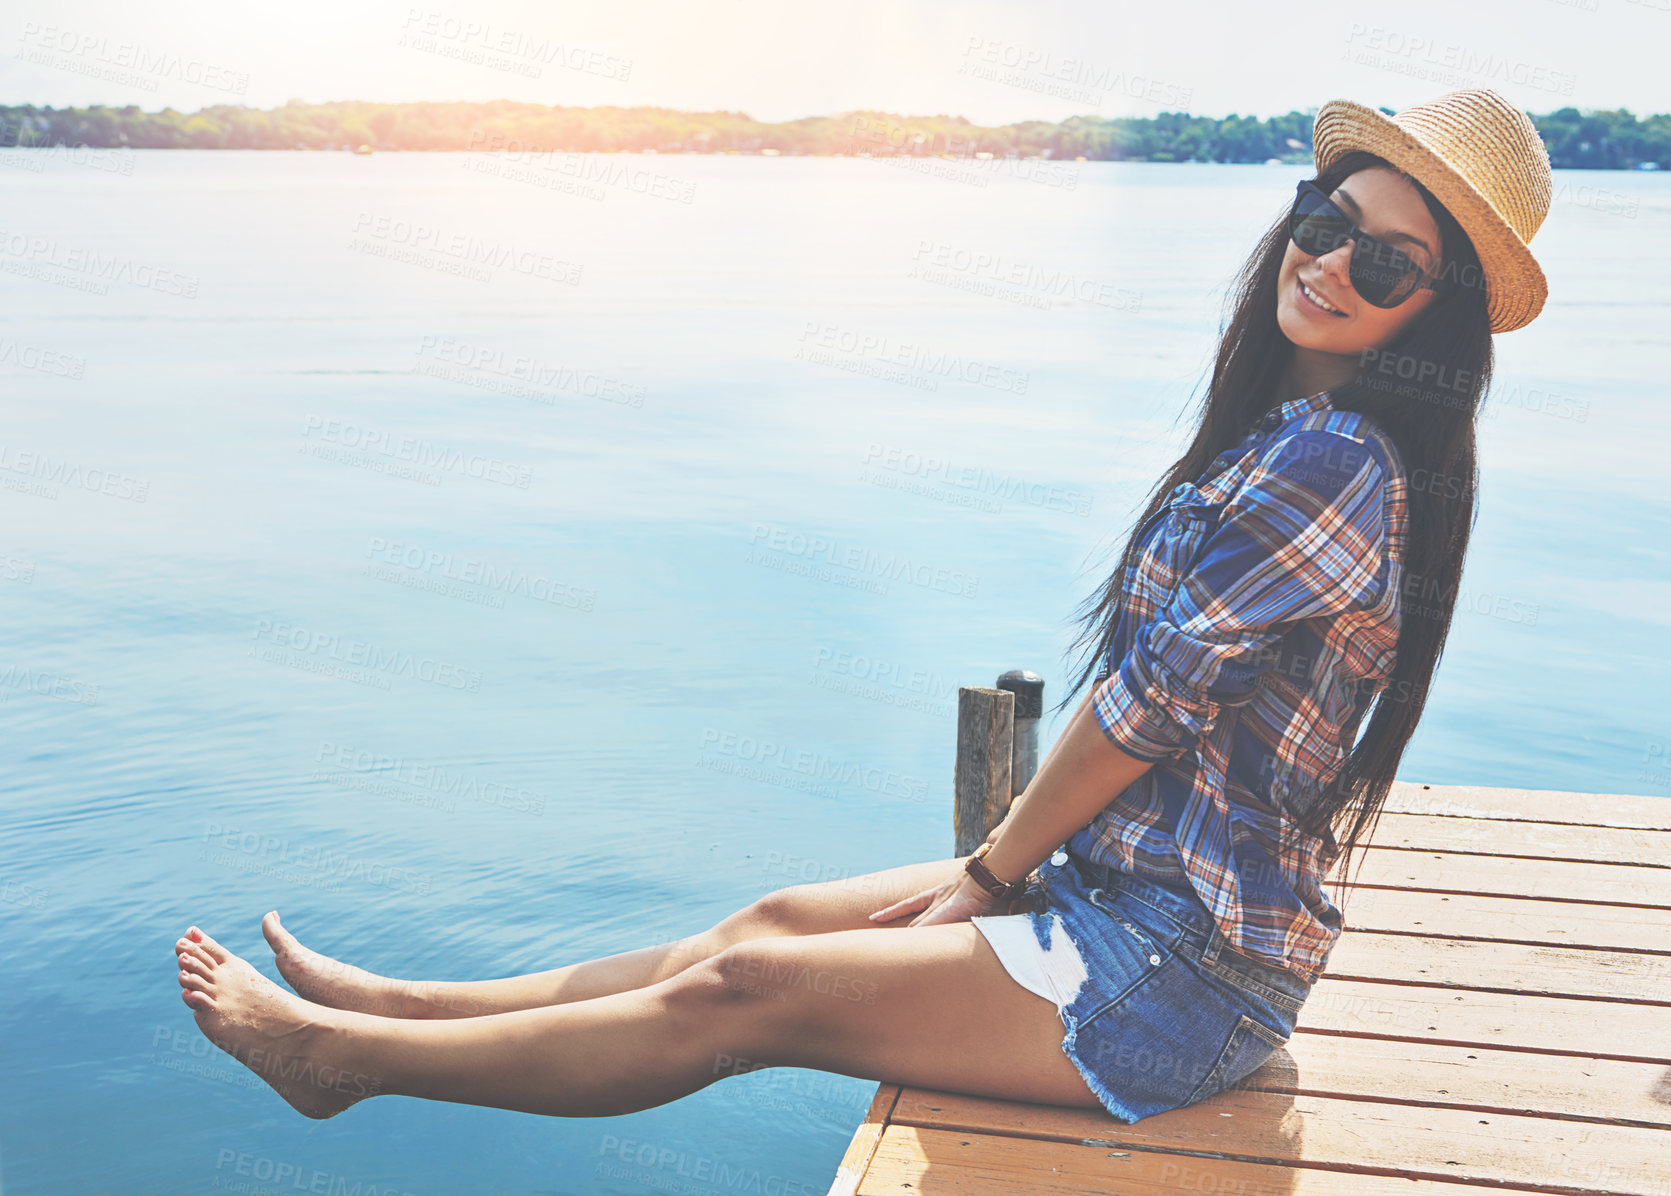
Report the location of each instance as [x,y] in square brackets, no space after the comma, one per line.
[1003,890]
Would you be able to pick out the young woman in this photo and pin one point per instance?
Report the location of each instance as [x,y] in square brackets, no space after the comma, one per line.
[1157,890]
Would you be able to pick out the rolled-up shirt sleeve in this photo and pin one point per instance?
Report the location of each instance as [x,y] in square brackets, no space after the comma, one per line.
[1303,537]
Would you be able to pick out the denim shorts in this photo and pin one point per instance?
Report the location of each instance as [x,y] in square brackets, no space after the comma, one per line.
[1168,1014]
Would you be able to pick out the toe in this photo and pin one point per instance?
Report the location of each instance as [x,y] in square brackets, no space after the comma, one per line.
[278,938]
[198,1002]
[197,951]
[192,982]
[194,965]
[217,953]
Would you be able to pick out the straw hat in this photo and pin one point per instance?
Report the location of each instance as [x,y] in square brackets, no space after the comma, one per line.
[1482,158]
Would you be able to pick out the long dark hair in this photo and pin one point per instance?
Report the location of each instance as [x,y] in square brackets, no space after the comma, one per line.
[1424,389]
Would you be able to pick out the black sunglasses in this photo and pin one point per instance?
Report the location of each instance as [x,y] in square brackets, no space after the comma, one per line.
[1382,274]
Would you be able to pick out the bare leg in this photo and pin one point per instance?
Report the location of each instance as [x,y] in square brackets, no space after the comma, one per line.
[795,910]
[925,1005]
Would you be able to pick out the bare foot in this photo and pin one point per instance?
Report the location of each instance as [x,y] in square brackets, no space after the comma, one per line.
[277,1035]
[328,981]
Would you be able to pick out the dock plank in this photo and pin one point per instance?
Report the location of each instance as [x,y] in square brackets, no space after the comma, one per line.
[1608,1030]
[1506,1081]
[1532,805]
[1504,967]
[1529,840]
[1509,919]
[927,1162]
[1385,1138]
[1508,876]
[862,1149]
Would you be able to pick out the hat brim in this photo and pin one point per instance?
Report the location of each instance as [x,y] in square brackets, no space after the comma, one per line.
[1514,282]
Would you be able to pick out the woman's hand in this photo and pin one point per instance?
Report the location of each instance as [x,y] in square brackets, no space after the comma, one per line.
[954,900]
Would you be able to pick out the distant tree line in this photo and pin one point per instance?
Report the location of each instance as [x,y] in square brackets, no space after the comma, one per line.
[1593,140]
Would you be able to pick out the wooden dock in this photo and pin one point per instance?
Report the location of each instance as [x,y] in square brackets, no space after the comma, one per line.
[1496,1015]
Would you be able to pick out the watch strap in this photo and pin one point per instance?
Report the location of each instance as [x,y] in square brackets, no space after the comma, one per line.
[1004,890]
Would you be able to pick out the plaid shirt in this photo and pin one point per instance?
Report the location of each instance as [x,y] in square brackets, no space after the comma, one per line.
[1260,619]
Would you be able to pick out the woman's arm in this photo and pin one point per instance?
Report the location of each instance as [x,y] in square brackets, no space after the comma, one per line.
[1009,814]
[1082,774]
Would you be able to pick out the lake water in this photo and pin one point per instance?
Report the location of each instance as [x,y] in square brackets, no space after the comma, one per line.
[493,566]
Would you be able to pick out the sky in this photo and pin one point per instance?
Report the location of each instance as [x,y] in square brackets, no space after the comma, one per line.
[993,63]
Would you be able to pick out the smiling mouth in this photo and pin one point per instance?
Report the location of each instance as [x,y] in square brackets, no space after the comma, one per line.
[1313,298]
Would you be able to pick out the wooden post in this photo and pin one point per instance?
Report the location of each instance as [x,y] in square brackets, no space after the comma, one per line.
[1028,689]
[981,783]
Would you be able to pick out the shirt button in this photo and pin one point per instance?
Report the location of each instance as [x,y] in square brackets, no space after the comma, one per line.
[1154,960]
[1060,858]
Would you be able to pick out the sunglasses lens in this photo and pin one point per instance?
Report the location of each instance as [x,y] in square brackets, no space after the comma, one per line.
[1317,226]
[1383,275]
